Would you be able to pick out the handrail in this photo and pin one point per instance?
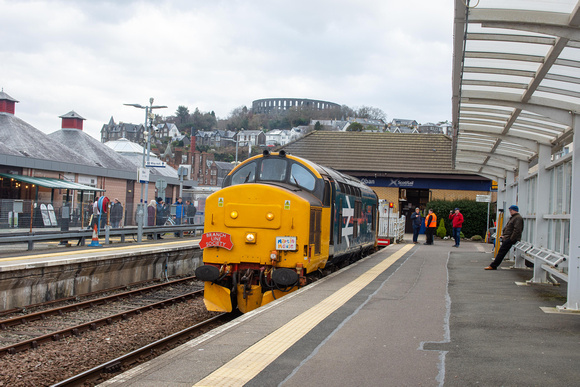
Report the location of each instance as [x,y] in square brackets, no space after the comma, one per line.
[82,235]
[545,261]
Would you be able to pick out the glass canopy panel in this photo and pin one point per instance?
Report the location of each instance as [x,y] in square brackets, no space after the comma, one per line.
[513,62]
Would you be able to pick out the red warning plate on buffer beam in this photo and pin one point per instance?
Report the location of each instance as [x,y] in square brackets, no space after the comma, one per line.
[216,239]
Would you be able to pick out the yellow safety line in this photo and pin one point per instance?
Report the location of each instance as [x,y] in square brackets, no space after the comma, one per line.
[91,252]
[252,361]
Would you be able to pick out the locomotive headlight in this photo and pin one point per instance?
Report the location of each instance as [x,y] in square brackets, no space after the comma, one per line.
[234,214]
[250,237]
[270,216]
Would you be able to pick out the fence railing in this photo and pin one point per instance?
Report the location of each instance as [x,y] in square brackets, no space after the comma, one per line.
[392,227]
[80,236]
[546,262]
[30,214]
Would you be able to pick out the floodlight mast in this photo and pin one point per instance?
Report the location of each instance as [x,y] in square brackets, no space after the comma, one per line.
[148,125]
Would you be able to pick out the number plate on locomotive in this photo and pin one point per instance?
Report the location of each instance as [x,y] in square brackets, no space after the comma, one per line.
[286,243]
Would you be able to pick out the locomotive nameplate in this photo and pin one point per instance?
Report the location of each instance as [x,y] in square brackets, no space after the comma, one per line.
[286,243]
[216,239]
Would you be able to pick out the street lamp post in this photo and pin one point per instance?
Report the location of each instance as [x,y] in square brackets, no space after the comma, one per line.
[236,141]
[148,125]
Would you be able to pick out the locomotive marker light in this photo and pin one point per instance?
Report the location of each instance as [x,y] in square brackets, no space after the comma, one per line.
[251,237]
[270,216]
[234,214]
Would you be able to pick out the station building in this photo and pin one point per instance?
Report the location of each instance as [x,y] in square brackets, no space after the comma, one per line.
[66,168]
[406,169]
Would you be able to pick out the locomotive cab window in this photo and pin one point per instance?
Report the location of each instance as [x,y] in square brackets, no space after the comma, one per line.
[246,174]
[273,169]
[302,177]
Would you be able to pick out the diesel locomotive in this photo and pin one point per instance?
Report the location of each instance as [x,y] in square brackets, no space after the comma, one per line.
[277,220]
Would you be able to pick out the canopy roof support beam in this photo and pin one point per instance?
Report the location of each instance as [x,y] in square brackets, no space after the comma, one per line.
[573,302]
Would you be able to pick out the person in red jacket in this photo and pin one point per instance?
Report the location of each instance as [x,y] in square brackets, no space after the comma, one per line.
[456,221]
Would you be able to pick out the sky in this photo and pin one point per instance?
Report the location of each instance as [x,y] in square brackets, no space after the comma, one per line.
[93,56]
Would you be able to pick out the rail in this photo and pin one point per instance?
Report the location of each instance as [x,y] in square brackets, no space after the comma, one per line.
[546,262]
[82,235]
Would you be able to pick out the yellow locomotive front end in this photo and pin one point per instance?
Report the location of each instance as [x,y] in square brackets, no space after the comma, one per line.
[258,241]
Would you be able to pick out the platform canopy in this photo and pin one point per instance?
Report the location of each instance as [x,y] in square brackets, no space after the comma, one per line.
[516,81]
[51,183]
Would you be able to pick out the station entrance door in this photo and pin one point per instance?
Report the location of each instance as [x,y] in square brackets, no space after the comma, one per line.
[409,199]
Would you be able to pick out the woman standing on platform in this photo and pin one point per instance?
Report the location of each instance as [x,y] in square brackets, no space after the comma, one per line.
[151,210]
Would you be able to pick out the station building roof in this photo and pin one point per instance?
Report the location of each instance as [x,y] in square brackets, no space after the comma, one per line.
[51,183]
[22,139]
[376,152]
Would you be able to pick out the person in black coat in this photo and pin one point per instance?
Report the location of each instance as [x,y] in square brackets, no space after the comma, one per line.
[116,213]
[161,212]
[190,211]
[416,222]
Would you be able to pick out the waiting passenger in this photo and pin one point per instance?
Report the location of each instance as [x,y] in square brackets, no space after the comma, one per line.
[510,235]
[416,222]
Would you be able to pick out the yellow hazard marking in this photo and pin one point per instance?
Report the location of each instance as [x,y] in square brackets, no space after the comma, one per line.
[244,367]
[100,252]
[286,204]
[220,202]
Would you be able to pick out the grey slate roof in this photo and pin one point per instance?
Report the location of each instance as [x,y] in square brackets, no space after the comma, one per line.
[133,156]
[26,140]
[376,152]
[72,114]
[5,96]
[92,150]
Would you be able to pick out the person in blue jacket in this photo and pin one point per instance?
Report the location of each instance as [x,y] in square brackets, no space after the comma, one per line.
[179,211]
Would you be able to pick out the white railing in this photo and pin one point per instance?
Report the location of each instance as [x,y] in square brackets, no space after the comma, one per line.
[392,227]
[546,262]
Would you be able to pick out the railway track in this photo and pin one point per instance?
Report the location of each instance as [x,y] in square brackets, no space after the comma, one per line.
[107,370]
[27,331]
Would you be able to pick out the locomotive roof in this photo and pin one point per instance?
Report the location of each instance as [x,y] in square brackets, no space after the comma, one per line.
[327,171]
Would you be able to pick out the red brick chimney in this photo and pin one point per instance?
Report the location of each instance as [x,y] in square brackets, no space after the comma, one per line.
[6,103]
[72,120]
[191,150]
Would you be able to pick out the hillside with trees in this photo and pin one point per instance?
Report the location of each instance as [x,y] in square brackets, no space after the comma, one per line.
[243,117]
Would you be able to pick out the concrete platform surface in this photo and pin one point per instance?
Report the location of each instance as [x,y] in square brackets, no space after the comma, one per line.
[409,315]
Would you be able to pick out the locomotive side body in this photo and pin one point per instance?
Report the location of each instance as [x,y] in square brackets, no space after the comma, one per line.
[277,219]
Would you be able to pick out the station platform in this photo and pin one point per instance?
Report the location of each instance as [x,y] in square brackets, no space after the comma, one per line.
[408,315]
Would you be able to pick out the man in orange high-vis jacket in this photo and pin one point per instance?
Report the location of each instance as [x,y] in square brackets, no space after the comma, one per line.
[430,226]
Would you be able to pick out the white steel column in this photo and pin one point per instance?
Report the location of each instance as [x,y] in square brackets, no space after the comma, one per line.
[510,199]
[573,302]
[500,203]
[522,204]
[542,208]
[523,187]
[510,192]
[542,197]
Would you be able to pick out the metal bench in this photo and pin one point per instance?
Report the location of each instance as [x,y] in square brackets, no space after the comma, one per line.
[545,262]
